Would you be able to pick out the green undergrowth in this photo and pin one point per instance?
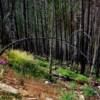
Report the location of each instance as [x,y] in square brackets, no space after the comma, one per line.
[88,91]
[41,62]
[72,75]
[69,95]
[24,63]
[27,65]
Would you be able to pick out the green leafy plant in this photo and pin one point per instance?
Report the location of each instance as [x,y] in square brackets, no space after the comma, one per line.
[68,96]
[89,91]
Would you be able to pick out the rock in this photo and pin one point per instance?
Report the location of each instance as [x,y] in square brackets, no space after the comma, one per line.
[8,88]
[48,98]
[47,82]
[29,98]
[81,97]
[98,87]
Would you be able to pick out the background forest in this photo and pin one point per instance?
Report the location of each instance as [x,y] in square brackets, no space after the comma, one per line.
[66,30]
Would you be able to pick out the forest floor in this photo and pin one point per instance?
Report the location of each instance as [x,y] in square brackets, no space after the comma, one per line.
[35,88]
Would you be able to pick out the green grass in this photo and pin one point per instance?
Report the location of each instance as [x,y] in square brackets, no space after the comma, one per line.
[72,75]
[42,63]
[25,64]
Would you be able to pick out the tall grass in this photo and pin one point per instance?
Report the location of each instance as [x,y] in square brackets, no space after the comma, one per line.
[26,64]
[20,55]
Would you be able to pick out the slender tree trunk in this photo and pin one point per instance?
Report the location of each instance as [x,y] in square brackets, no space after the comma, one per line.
[50,30]
[2,24]
[82,59]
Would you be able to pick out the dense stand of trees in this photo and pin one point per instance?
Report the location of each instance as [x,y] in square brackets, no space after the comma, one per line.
[73,25]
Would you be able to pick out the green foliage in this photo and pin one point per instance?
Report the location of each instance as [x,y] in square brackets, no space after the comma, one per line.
[20,56]
[72,75]
[89,91]
[81,78]
[73,85]
[25,64]
[68,96]
[42,63]
[21,60]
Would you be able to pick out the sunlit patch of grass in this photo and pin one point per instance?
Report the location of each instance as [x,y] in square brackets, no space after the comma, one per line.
[25,64]
[72,75]
[21,60]
[20,55]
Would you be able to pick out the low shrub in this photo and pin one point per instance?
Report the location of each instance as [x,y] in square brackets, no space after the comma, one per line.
[68,96]
[89,91]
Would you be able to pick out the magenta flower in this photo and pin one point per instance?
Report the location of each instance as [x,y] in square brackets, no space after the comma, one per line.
[3,62]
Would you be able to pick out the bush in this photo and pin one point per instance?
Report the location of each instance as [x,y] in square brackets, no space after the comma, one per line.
[68,96]
[89,91]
